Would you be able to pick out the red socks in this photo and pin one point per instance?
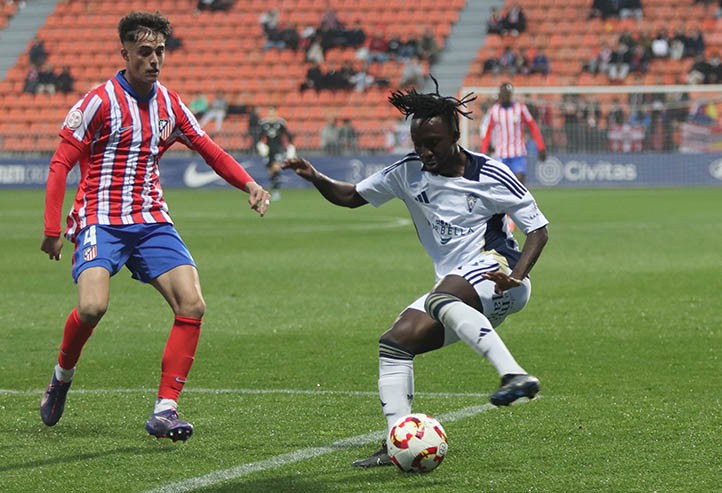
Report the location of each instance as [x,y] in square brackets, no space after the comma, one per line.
[75,335]
[178,356]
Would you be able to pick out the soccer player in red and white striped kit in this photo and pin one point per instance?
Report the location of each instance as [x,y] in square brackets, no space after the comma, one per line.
[503,124]
[117,133]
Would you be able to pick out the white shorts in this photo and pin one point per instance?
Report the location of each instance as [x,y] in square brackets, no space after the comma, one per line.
[496,306]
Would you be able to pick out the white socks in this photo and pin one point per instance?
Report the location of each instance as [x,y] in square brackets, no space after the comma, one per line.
[164,404]
[64,375]
[474,329]
[396,388]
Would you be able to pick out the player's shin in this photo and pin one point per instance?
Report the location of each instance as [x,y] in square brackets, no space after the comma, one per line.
[474,329]
[75,335]
[178,357]
[396,380]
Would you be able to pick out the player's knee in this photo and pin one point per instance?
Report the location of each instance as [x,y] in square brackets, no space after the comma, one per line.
[92,311]
[194,309]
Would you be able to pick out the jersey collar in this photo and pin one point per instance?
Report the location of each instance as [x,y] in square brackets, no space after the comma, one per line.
[120,77]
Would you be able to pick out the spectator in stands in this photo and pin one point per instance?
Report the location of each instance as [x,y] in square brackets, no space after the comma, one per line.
[269,22]
[348,137]
[515,20]
[619,64]
[65,81]
[507,61]
[173,43]
[408,48]
[199,106]
[31,80]
[677,44]
[630,8]
[289,37]
[615,116]
[314,78]
[503,129]
[540,63]
[639,60]
[604,9]
[346,75]
[330,20]
[695,43]
[329,137]
[214,5]
[700,72]
[217,110]
[315,52]
[428,49]
[307,34]
[413,73]
[522,64]
[660,44]
[378,48]
[356,36]
[46,79]
[495,23]
[37,53]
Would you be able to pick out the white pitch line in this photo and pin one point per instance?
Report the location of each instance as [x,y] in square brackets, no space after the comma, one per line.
[299,455]
[244,392]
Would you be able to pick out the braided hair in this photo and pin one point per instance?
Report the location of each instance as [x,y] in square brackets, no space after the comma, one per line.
[426,106]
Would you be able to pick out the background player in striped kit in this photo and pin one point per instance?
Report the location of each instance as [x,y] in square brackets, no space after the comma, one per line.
[457,200]
[503,128]
[118,132]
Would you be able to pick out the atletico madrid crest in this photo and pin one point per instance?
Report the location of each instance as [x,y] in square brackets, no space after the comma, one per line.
[164,129]
[89,253]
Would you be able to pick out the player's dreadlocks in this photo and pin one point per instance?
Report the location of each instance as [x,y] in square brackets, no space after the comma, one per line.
[429,105]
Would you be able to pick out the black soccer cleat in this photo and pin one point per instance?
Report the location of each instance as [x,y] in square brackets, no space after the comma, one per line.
[167,424]
[515,387]
[379,458]
[52,403]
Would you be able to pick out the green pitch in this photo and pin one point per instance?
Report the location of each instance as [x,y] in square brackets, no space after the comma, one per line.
[623,329]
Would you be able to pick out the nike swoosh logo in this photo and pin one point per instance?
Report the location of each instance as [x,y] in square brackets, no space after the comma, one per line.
[179,380]
[123,129]
[196,179]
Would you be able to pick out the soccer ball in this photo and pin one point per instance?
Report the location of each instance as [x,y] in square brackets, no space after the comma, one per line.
[417,443]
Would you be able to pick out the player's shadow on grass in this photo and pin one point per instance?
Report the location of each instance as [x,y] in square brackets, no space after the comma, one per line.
[67,459]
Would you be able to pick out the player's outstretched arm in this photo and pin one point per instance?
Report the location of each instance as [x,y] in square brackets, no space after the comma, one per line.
[337,192]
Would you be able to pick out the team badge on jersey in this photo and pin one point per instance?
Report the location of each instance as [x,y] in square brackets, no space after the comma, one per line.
[89,253]
[164,129]
[74,119]
[471,201]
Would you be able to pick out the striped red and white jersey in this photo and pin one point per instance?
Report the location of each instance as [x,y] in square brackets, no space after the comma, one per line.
[504,128]
[121,138]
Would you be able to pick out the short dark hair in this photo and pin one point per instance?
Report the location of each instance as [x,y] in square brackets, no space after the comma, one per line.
[136,25]
[429,105]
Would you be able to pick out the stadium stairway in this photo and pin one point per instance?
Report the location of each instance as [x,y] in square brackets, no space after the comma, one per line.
[20,31]
[465,40]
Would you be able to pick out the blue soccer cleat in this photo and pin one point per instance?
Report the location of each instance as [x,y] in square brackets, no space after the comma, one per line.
[52,403]
[514,387]
[166,424]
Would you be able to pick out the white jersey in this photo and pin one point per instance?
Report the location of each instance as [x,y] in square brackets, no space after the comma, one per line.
[458,218]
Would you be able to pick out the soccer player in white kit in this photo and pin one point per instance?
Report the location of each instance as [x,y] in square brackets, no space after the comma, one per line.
[458,200]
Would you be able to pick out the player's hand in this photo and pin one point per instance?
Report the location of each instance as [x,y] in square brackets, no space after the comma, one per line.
[503,281]
[258,198]
[303,168]
[52,246]
[543,155]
